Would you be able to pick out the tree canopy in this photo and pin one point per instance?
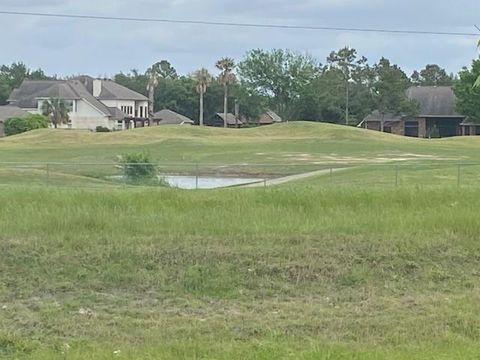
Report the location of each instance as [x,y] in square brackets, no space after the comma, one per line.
[12,76]
[432,75]
[468,95]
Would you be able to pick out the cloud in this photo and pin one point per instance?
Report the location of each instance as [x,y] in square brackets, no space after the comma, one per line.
[104,47]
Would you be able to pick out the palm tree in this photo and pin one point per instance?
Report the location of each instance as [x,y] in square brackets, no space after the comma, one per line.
[153,79]
[203,79]
[159,70]
[226,66]
[57,110]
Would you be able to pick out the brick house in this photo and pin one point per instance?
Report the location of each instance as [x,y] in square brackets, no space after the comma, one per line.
[437,115]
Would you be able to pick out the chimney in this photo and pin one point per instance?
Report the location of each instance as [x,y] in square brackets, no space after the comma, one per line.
[97,87]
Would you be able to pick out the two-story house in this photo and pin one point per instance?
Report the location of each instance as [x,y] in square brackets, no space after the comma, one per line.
[93,102]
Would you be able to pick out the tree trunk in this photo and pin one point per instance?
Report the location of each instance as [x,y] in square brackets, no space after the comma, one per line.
[225,107]
[201,109]
[151,100]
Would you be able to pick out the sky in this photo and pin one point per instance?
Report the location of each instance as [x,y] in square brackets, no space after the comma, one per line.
[103,48]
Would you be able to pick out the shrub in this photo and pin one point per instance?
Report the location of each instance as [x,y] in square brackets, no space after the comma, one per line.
[137,168]
[18,125]
[102,129]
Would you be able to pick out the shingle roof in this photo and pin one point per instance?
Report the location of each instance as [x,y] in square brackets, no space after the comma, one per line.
[231,120]
[377,116]
[9,111]
[169,117]
[113,91]
[27,94]
[272,118]
[83,93]
[434,100]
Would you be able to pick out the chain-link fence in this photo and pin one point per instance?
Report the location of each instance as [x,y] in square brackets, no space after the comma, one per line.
[209,176]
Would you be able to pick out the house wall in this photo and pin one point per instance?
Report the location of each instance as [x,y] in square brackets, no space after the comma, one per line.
[135,105]
[422,127]
[89,117]
[397,128]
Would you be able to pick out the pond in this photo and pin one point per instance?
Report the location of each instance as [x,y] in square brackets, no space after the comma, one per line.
[207,182]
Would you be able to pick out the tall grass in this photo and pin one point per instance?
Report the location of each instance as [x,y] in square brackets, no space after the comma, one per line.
[296,272]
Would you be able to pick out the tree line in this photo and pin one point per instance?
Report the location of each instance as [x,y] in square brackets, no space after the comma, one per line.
[344,89]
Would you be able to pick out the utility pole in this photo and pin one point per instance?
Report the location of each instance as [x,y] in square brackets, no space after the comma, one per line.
[347,103]
[237,112]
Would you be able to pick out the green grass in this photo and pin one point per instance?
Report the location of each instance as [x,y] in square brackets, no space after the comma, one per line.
[293,272]
[268,151]
[370,263]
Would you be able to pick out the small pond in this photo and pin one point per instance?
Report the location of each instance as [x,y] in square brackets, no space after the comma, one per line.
[207,182]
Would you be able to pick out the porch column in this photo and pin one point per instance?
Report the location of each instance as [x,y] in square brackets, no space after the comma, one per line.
[123,125]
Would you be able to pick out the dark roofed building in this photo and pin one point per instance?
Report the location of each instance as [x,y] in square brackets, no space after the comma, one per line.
[218,120]
[391,123]
[269,117]
[169,117]
[437,115]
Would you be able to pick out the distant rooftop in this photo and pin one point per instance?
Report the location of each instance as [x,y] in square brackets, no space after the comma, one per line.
[434,100]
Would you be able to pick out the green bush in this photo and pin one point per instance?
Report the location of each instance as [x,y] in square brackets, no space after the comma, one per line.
[102,129]
[18,125]
[137,168]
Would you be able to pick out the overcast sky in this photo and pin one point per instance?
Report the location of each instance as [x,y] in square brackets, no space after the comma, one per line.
[98,48]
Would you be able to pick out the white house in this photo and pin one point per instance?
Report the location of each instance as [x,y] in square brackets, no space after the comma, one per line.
[93,102]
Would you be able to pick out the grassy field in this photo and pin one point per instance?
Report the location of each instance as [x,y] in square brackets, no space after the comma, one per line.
[314,269]
[85,158]
[293,272]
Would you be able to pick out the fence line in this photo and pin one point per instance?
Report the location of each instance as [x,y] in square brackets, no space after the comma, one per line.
[196,175]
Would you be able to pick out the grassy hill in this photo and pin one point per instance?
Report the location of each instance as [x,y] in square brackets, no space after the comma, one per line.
[271,151]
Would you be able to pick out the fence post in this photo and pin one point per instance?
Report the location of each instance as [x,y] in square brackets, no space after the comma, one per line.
[459,173]
[196,176]
[125,175]
[47,170]
[396,175]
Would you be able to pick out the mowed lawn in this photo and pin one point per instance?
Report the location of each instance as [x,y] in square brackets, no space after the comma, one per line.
[83,158]
[295,272]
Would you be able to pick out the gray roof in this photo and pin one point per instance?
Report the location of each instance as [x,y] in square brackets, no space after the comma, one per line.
[83,93]
[435,101]
[231,120]
[113,91]
[169,117]
[9,111]
[377,116]
[27,94]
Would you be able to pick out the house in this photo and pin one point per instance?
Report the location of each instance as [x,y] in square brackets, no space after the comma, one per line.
[93,102]
[169,117]
[269,118]
[218,120]
[7,112]
[437,115]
